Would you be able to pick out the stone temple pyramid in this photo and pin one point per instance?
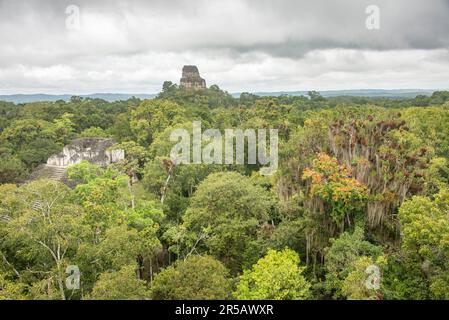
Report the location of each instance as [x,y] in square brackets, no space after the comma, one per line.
[191,78]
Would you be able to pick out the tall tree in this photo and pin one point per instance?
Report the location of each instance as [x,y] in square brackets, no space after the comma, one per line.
[277,276]
[230,209]
[195,278]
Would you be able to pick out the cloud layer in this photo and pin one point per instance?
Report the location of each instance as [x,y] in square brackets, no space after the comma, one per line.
[253,45]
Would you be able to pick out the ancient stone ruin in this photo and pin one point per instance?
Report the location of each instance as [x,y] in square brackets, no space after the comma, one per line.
[191,78]
[94,150]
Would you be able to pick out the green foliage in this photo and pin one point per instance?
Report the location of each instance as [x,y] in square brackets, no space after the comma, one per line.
[211,97]
[425,228]
[135,158]
[343,263]
[361,182]
[84,172]
[64,128]
[120,285]
[229,209]
[195,278]
[93,132]
[354,285]
[153,116]
[47,228]
[32,141]
[290,234]
[12,169]
[277,276]
[175,183]
[9,289]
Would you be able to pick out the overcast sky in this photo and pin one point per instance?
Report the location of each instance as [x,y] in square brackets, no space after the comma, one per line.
[241,45]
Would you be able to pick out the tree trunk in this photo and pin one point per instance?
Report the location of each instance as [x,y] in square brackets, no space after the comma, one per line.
[164,190]
[60,283]
[130,188]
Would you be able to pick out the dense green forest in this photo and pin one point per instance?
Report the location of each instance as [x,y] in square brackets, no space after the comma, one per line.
[361,182]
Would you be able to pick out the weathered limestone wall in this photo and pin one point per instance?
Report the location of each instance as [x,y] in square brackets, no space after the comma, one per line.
[93,150]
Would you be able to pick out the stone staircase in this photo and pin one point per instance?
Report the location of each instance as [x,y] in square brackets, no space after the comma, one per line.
[36,205]
[55,172]
[51,172]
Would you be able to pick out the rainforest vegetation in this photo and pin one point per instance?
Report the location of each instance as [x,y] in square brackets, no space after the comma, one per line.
[361,182]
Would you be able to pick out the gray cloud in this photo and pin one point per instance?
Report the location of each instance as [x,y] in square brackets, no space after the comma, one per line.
[132,46]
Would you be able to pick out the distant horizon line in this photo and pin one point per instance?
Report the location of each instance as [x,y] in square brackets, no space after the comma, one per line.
[21,98]
[233,92]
